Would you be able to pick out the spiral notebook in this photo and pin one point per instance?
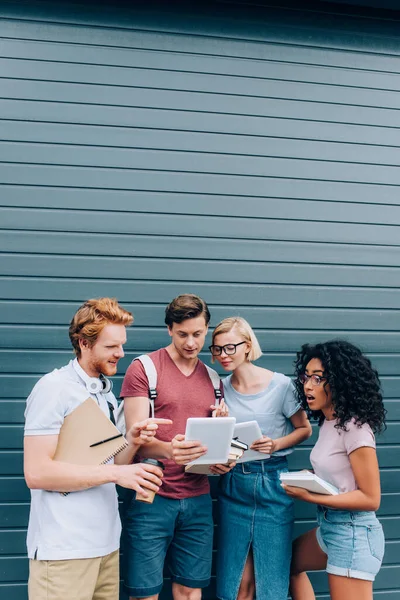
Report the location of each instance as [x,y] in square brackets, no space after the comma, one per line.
[87,436]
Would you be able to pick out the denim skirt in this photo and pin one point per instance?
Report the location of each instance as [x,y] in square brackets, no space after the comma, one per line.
[254,512]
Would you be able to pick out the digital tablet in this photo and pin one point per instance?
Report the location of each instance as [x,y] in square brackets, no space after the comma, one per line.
[248,432]
[215,433]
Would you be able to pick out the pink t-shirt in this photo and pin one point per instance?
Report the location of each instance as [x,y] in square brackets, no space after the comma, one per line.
[178,397]
[330,455]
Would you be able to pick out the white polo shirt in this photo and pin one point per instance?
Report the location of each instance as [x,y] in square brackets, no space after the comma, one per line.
[82,524]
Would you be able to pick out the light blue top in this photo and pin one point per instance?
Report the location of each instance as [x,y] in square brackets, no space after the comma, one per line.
[271,408]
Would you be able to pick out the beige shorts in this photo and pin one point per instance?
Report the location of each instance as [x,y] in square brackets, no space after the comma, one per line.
[80,579]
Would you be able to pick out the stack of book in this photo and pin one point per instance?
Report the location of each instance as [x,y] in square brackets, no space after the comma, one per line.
[236,450]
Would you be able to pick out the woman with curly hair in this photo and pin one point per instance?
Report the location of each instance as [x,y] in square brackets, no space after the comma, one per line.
[337,386]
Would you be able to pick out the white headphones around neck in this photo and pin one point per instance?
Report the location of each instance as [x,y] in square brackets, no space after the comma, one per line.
[94,385]
[98,385]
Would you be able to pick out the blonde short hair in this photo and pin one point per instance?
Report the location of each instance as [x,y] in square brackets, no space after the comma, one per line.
[245,330]
[91,318]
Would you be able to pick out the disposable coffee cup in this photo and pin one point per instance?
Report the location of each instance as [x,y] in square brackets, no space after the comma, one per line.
[149,499]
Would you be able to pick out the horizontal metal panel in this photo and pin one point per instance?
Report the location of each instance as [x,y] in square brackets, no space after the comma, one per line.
[185,247]
[17,591]
[121,61]
[120,121]
[275,82]
[201,227]
[12,542]
[11,463]
[197,162]
[207,271]
[216,39]
[13,489]
[324,110]
[60,313]
[12,411]
[43,361]
[193,141]
[12,438]
[153,291]
[14,515]
[149,339]
[212,204]
[167,185]
[14,569]
[208,207]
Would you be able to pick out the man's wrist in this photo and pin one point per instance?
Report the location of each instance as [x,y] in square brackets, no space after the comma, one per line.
[112,472]
[168,446]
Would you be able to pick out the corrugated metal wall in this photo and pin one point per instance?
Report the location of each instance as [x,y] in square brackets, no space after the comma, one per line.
[248,156]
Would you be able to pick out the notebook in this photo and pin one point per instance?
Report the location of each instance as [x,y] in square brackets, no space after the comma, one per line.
[87,436]
[309,481]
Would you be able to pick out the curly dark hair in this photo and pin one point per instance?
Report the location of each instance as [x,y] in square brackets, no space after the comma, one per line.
[354,384]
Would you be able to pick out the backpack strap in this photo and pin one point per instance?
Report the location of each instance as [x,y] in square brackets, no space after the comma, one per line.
[151,374]
[216,382]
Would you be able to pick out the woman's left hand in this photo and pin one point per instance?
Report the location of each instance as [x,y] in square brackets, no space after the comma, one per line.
[265,445]
[297,492]
[221,410]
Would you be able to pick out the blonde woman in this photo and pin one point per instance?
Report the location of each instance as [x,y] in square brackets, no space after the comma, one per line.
[255,514]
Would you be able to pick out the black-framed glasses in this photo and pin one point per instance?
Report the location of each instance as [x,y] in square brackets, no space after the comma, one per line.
[229,349]
[315,379]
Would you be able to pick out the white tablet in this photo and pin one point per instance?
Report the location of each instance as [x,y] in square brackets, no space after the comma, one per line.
[215,433]
[248,432]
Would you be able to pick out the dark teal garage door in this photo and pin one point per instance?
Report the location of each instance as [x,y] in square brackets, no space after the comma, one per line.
[247,155]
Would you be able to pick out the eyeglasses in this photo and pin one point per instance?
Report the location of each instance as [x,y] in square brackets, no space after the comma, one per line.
[315,379]
[229,349]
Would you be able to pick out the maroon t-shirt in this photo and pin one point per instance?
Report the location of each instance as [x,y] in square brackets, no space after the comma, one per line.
[178,398]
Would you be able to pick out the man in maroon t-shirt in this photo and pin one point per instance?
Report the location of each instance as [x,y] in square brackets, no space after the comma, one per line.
[178,525]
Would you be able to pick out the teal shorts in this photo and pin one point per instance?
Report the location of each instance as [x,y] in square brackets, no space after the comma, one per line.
[177,532]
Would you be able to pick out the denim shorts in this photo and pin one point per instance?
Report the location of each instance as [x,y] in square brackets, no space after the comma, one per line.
[254,512]
[353,541]
[179,532]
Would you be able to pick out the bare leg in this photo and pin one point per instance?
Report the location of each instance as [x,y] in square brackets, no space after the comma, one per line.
[347,587]
[182,592]
[307,556]
[247,585]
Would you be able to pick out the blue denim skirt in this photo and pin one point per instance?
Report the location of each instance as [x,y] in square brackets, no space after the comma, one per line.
[353,541]
[254,512]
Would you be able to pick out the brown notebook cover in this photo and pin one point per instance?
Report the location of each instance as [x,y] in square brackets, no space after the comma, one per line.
[87,425]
